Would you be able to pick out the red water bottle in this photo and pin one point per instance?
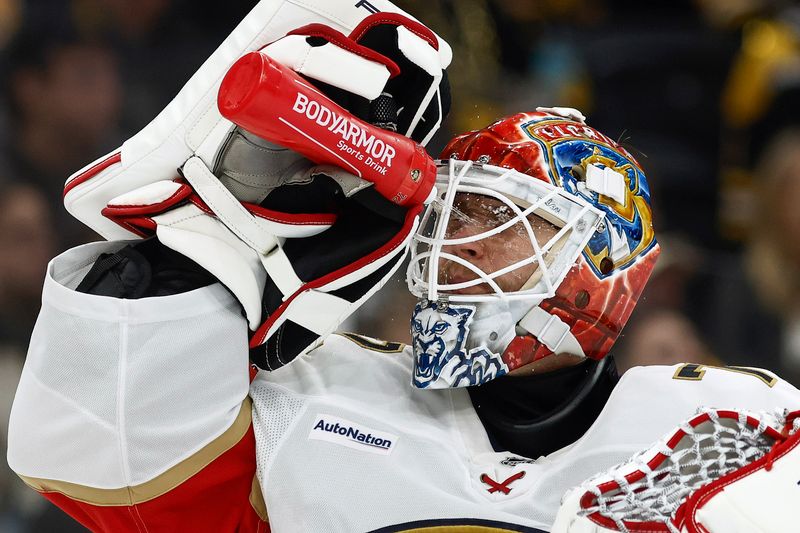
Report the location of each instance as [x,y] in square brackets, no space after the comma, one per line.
[272,101]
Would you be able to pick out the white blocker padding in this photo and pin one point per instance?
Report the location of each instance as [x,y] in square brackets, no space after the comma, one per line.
[191,123]
[326,63]
[115,392]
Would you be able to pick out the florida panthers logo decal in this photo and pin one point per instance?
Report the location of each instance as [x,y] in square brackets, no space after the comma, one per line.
[440,359]
[566,145]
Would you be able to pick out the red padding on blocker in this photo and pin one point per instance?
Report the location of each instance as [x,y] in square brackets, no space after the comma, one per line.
[293,219]
[179,195]
[92,171]
[342,41]
[376,19]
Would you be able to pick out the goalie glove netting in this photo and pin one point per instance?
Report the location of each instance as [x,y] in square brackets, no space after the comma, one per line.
[651,486]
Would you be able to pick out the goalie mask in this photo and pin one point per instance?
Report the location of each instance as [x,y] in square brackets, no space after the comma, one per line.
[540,241]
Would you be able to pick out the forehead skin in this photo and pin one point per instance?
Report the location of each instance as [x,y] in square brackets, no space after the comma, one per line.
[474,214]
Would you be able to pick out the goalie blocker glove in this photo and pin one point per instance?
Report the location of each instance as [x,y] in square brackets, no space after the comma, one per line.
[330,241]
[300,245]
[355,76]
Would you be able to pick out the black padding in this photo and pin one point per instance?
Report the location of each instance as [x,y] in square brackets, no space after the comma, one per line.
[411,86]
[356,290]
[318,195]
[357,232]
[144,269]
[282,347]
[537,414]
[378,204]
[383,112]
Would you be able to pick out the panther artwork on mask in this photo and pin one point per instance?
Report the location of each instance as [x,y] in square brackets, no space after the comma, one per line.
[441,360]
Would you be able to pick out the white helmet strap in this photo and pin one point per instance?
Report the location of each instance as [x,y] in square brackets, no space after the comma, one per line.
[551,331]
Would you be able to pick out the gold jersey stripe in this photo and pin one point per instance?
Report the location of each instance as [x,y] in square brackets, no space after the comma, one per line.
[159,485]
[695,372]
[257,500]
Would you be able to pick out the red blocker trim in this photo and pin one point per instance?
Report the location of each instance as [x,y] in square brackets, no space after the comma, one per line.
[181,194]
[293,219]
[92,171]
[259,337]
[135,219]
[342,41]
[142,226]
[396,19]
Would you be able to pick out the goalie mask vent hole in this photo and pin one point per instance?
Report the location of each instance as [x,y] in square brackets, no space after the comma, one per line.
[581,299]
[606,265]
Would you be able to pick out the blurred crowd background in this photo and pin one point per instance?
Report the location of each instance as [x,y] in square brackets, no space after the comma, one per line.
[706,94]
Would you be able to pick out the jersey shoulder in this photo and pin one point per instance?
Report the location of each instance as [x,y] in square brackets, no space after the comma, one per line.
[695,382]
[132,415]
[649,401]
[681,389]
[346,364]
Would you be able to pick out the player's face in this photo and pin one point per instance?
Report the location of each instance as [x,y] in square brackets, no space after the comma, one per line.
[474,214]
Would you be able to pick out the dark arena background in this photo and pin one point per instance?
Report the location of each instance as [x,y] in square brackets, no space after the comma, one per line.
[704,93]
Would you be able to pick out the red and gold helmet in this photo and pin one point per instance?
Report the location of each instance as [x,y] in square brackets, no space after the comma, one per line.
[588,270]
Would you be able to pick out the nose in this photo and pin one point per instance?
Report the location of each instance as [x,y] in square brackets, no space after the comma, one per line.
[470,250]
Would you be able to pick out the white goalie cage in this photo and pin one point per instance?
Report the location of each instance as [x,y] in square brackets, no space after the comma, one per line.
[575,217]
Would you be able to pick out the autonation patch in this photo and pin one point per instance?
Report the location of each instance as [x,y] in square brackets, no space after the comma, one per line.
[352,435]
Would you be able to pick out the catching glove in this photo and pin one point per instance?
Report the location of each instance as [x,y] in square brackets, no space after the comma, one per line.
[719,472]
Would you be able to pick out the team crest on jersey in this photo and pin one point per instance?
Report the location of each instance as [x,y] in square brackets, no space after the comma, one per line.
[440,359]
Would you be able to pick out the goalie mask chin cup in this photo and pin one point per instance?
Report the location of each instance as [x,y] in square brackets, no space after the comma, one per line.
[589,270]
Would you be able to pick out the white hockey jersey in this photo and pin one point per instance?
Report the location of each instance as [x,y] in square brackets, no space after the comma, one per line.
[134,415]
[355,448]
